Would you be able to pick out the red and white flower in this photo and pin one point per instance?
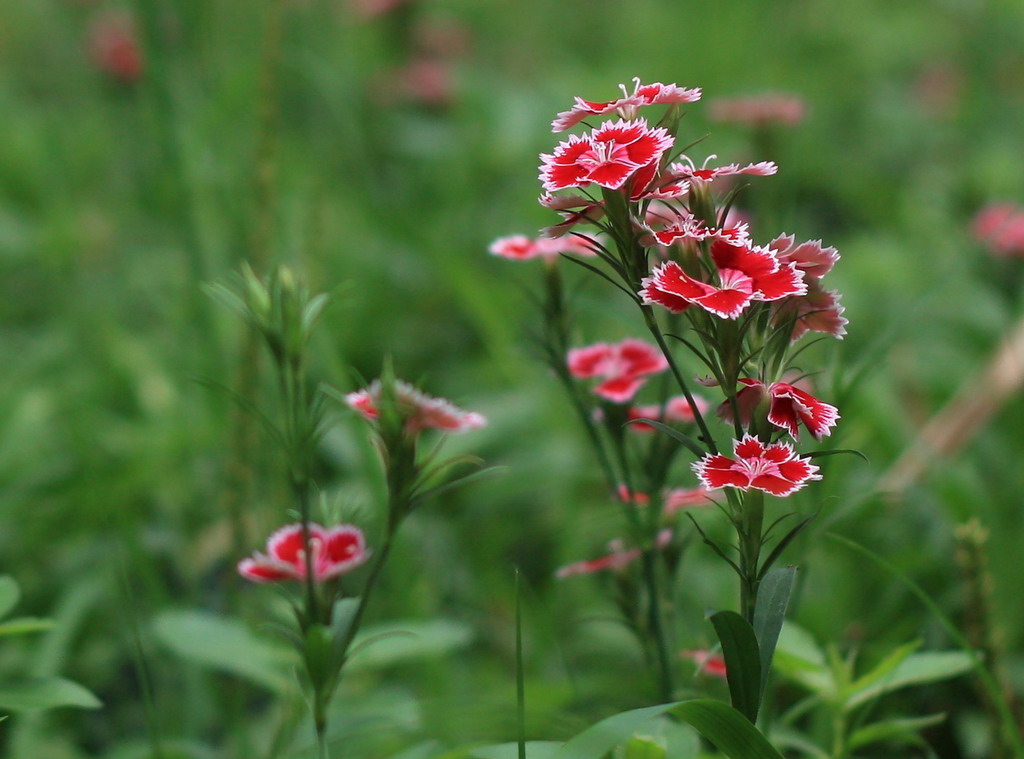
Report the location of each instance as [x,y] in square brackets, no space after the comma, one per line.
[809,257]
[623,366]
[773,468]
[333,552]
[817,310]
[608,156]
[676,409]
[522,248]
[618,558]
[707,662]
[655,93]
[789,406]
[687,169]
[419,410]
[688,498]
[745,274]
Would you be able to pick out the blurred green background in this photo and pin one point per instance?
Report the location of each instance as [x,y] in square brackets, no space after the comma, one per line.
[379,154]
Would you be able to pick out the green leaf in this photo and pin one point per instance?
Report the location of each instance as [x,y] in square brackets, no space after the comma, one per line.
[644,747]
[534,750]
[9,594]
[45,693]
[882,670]
[742,661]
[915,669]
[729,730]
[227,645]
[23,625]
[597,740]
[772,601]
[398,642]
[897,729]
[798,658]
[836,452]
[675,434]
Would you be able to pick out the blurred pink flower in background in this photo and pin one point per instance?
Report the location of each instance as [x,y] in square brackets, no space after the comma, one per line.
[707,662]
[759,110]
[1000,227]
[623,367]
[114,48]
[618,558]
[522,248]
[419,410]
[335,551]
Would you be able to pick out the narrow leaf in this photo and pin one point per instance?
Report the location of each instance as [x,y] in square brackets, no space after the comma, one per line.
[23,625]
[742,661]
[781,546]
[398,642]
[729,730]
[675,434]
[905,728]
[9,594]
[834,452]
[45,693]
[916,669]
[772,601]
[597,740]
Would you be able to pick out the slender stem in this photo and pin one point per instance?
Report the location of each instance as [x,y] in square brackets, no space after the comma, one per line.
[750,539]
[655,330]
[520,675]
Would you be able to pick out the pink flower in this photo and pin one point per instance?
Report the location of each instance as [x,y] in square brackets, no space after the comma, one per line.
[521,247]
[707,662]
[817,310]
[686,169]
[114,47]
[745,274]
[622,366]
[788,407]
[676,409]
[759,110]
[608,156]
[419,410]
[335,551]
[774,468]
[626,106]
[688,498]
[618,558]
[809,257]
[1000,226]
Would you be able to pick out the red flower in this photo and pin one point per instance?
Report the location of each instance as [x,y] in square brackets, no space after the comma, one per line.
[618,559]
[521,247]
[335,551]
[707,662]
[688,498]
[623,367]
[608,156]
[626,106]
[817,310]
[114,47]
[419,410]
[775,468]
[1000,226]
[809,257]
[676,409]
[745,274]
[789,406]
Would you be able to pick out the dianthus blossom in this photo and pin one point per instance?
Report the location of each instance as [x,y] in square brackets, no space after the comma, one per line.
[607,157]
[522,248]
[745,273]
[773,468]
[707,662]
[419,410]
[655,93]
[687,169]
[618,558]
[334,551]
[622,366]
[676,409]
[1000,226]
[789,406]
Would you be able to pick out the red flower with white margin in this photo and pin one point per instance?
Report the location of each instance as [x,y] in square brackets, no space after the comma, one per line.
[335,551]
[687,169]
[809,257]
[746,273]
[774,468]
[655,93]
[707,662]
[676,409]
[788,407]
[522,248]
[419,410]
[618,559]
[608,156]
[623,366]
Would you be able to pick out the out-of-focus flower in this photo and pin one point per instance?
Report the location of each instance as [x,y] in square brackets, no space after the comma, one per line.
[707,662]
[618,558]
[745,274]
[1000,227]
[419,410]
[788,407]
[623,366]
[774,468]
[114,47]
[676,409]
[607,157]
[809,257]
[522,248]
[687,169]
[759,110]
[688,498]
[333,552]
[655,93]
[817,310]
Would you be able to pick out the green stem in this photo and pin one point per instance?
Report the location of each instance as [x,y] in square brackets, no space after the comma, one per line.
[655,330]
[749,532]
